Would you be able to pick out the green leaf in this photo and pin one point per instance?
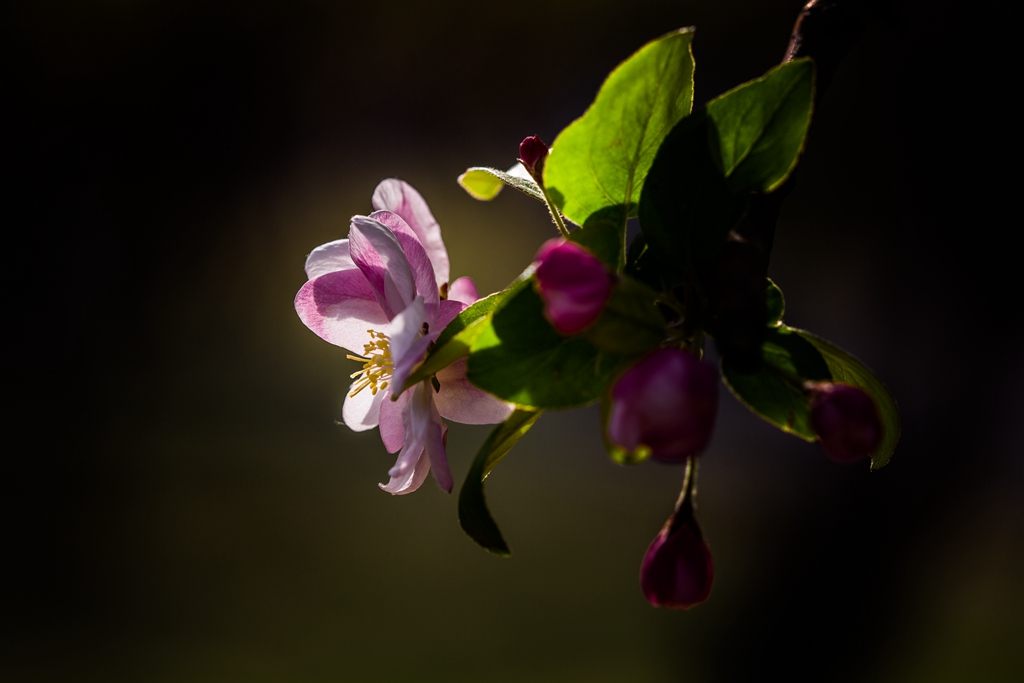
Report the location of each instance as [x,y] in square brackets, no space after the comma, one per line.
[484,183]
[601,159]
[762,125]
[630,323]
[456,339]
[775,390]
[849,370]
[474,516]
[776,304]
[520,358]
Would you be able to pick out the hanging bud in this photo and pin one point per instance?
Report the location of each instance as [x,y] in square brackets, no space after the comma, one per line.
[846,422]
[573,283]
[532,153]
[676,570]
[665,406]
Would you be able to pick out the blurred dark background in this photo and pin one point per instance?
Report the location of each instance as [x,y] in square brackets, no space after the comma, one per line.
[178,503]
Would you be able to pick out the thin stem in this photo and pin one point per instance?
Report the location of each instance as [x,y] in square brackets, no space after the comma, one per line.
[538,177]
[553,210]
[684,504]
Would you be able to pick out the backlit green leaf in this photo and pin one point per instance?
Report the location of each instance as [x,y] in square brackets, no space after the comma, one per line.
[601,159]
[484,183]
[520,358]
[456,339]
[762,125]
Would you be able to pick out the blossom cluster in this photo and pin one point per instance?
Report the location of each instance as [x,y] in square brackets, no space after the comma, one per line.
[594,319]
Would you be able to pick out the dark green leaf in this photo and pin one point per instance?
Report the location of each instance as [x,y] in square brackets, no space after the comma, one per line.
[630,323]
[602,236]
[456,339]
[762,125]
[520,358]
[602,158]
[847,369]
[776,304]
[775,391]
[687,207]
[484,183]
[747,140]
[474,516]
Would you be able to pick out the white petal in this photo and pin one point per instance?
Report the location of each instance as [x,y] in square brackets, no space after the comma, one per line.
[329,258]
[519,171]
[362,411]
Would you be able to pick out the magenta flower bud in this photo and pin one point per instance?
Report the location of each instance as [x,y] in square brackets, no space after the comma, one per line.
[532,152]
[665,405]
[846,422]
[677,570]
[573,283]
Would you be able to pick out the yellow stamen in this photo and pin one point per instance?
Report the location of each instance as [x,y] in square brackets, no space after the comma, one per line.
[377,365]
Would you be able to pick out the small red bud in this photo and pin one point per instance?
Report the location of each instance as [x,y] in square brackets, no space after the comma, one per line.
[573,283]
[677,570]
[532,152]
[846,422]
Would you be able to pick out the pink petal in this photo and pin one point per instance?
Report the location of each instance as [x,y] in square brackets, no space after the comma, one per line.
[438,457]
[392,431]
[411,467]
[409,472]
[379,256]
[446,313]
[406,329]
[460,401]
[419,263]
[362,411]
[340,307]
[329,258]
[464,290]
[400,197]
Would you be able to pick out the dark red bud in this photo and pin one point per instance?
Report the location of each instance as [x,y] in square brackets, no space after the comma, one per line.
[666,403]
[532,152]
[846,422]
[677,570]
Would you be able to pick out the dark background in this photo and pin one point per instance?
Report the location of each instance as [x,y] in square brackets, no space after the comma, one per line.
[179,505]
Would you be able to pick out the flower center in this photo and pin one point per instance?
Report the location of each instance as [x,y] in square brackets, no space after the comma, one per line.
[377,365]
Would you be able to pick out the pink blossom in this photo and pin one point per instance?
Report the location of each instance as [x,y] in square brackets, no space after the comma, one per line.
[665,404]
[378,294]
[573,284]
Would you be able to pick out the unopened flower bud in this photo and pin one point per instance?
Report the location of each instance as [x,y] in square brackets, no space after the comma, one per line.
[665,405]
[532,152]
[573,283]
[846,422]
[677,570]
